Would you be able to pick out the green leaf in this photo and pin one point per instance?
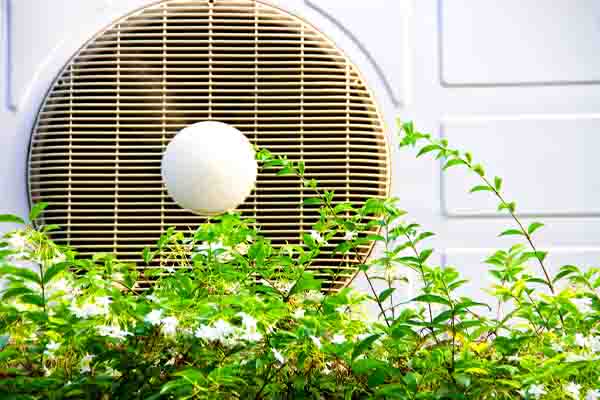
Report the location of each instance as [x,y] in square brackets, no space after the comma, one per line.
[424,255]
[534,226]
[34,299]
[364,344]
[481,188]
[431,298]
[453,162]
[312,200]
[509,232]
[498,183]
[54,270]
[37,210]
[15,292]
[11,218]
[411,381]
[385,294]
[507,206]
[147,255]
[478,168]
[427,149]
[306,282]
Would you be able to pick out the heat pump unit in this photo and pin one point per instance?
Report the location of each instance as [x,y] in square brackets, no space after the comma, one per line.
[94,91]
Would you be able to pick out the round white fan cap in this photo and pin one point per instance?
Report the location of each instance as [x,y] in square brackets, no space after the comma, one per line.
[209,167]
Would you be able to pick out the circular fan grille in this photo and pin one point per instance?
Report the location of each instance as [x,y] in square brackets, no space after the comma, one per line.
[98,140]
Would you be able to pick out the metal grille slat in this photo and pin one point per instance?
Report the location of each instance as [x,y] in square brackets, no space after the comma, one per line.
[99,137]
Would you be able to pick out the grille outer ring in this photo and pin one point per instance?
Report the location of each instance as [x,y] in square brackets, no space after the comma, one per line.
[348,122]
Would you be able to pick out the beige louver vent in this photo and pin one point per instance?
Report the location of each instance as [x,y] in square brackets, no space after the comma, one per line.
[98,140]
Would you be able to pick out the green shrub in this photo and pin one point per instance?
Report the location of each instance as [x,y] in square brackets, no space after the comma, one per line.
[230,316]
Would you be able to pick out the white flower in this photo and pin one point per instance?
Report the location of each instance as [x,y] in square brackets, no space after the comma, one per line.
[317,237]
[248,321]
[58,259]
[17,242]
[112,372]
[113,331]
[206,332]
[169,325]
[571,357]
[86,363]
[223,328]
[363,336]
[153,317]
[536,391]
[299,313]
[557,347]
[581,340]
[90,309]
[592,395]
[170,269]
[338,339]
[250,328]
[314,296]
[51,347]
[283,286]
[341,309]
[316,341]
[103,301]
[278,356]
[573,390]
[594,342]
[349,235]
[152,297]
[242,248]
[218,332]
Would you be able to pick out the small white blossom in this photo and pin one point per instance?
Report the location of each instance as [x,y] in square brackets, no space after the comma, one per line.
[573,390]
[112,372]
[113,331]
[170,269]
[278,356]
[592,394]
[51,347]
[594,342]
[86,363]
[220,331]
[316,341]
[572,357]
[152,298]
[338,339]
[299,313]
[314,296]
[17,242]
[536,391]
[581,340]
[153,317]
[349,235]
[169,325]
[557,347]
[341,309]
[317,237]
[363,336]
[241,248]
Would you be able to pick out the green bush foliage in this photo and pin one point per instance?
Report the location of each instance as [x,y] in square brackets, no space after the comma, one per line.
[232,317]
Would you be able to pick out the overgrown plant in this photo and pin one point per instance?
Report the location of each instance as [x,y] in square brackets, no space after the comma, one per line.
[232,316]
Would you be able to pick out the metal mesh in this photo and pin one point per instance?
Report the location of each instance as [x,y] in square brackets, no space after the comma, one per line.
[100,134]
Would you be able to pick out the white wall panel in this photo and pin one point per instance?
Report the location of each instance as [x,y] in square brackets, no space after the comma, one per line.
[489,42]
[549,164]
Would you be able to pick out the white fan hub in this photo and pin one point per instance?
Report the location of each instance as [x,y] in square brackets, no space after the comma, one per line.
[209,167]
